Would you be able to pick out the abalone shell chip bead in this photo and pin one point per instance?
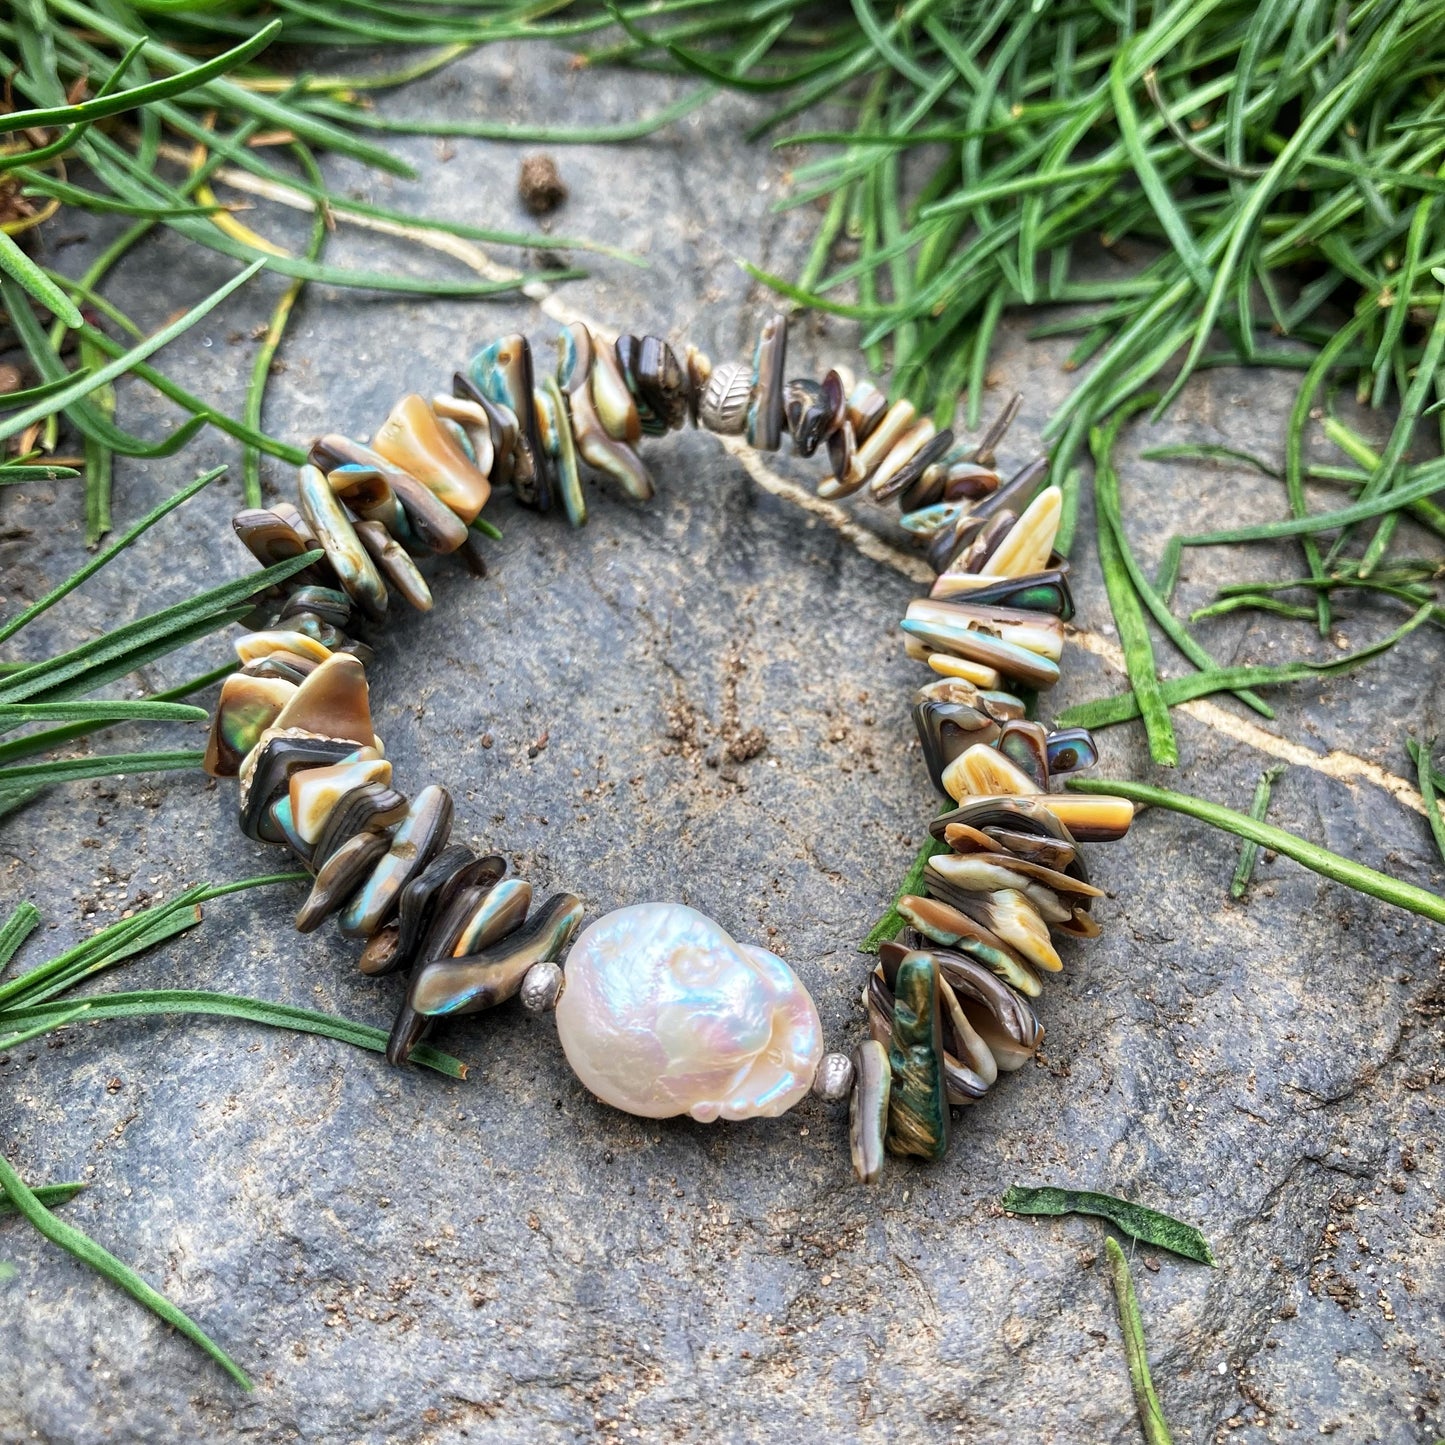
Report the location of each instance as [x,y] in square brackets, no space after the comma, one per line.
[664,1014]
[948,729]
[848,474]
[765,408]
[394,564]
[326,602]
[1030,542]
[451,985]
[419,835]
[814,411]
[985,648]
[380,948]
[432,891]
[1002,1019]
[252,646]
[868,1109]
[327,517]
[246,708]
[431,521]
[865,407]
[367,809]
[502,371]
[413,439]
[575,349]
[628,351]
[1092,818]
[1025,744]
[502,427]
[611,457]
[834,1079]
[984,452]
[339,877]
[942,923]
[315,792]
[918,1113]
[266,769]
[662,382]
[1071,750]
[1075,817]
[473,425]
[501,911]
[919,450]
[407,1031]
[699,372]
[333,702]
[277,827]
[613,401]
[1046,591]
[370,497]
[270,538]
[554,429]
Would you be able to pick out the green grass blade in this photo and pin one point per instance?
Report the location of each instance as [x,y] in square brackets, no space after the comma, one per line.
[43,676]
[22,921]
[1146,1225]
[1123,707]
[271,342]
[32,278]
[1176,228]
[69,770]
[1151,1412]
[1430,480]
[21,1036]
[13,713]
[142,95]
[1258,810]
[1129,617]
[227,94]
[12,474]
[47,1194]
[152,1003]
[1311,855]
[16,424]
[1106,494]
[88,1252]
[81,574]
[1382,484]
[1427,776]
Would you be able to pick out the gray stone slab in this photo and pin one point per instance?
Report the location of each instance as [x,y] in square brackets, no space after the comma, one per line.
[400,1258]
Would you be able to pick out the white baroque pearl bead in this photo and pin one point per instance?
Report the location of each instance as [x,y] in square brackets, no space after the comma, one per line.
[664,1014]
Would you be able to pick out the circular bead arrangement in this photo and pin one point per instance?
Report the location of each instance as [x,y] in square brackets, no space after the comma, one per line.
[659,1011]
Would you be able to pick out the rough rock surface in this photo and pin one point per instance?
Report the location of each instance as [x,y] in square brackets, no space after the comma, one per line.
[397,1257]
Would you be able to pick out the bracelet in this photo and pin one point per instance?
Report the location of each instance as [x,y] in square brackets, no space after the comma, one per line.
[659,1011]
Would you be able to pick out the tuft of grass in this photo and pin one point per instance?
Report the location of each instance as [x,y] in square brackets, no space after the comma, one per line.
[103,97]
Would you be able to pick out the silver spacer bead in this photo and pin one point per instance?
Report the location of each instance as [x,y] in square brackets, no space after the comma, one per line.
[834,1079]
[724,404]
[541,988]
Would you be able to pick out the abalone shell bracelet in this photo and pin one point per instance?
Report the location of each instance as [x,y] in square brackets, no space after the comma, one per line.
[659,1011]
